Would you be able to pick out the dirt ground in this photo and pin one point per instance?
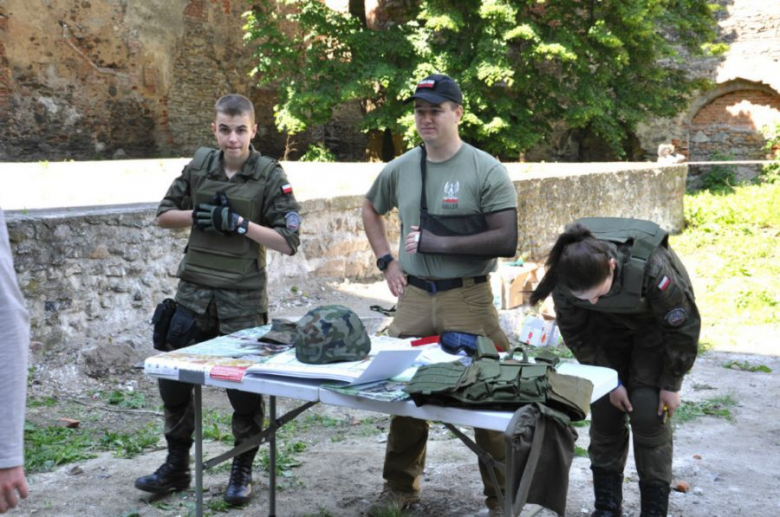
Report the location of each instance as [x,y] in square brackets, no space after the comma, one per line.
[731,464]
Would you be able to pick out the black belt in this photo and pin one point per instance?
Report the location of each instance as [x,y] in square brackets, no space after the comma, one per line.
[437,286]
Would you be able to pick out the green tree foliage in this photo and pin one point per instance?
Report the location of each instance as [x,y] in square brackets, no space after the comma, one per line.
[602,65]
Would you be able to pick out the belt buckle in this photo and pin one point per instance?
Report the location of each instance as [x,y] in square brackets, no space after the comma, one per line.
[431,286]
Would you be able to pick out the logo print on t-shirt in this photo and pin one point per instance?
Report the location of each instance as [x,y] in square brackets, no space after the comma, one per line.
[450,199]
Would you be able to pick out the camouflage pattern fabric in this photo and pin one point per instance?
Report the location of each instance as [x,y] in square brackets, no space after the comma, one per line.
[276,207]
[329,334]
[669,325]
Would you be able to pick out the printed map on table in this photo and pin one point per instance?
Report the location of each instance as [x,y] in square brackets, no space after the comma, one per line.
[224,357]
[233,356]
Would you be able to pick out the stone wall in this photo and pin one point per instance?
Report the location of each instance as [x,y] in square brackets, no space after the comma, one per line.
[92,276]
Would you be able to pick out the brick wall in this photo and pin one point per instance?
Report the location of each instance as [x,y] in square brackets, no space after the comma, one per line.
[731,125]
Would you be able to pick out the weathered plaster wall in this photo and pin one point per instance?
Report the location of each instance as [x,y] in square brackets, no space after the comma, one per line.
[92,277]
[86,78]
[112,78]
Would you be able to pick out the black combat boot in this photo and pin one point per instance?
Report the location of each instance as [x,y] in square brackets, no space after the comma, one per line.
[173,475]
[239,490]
[655,499]
[608,488]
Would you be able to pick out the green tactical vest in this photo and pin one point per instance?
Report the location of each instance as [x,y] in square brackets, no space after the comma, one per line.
[489,383]
[644,237]
[226,261]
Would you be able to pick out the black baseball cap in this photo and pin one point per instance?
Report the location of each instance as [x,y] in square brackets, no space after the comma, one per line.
[436,89]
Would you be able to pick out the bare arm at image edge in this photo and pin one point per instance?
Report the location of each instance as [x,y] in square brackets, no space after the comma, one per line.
[14,345]
[374,225]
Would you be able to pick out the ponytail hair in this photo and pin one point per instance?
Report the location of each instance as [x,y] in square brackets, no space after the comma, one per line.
[578,262]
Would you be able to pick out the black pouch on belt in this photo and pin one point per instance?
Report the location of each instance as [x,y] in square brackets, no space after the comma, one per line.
[161,321]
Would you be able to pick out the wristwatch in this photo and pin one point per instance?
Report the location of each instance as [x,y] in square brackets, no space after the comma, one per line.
[384,261]
[242,228]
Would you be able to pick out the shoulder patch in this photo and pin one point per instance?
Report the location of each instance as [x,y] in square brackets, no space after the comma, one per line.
[293,221]
[287,189]
[676,317]
[664,283]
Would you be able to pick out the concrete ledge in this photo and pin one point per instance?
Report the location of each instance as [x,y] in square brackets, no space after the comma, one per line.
[94,273]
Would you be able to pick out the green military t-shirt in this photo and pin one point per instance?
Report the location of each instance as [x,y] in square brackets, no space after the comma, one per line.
[471,182]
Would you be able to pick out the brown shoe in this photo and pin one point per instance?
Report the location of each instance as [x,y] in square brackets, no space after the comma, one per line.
[494,510]
[392,500]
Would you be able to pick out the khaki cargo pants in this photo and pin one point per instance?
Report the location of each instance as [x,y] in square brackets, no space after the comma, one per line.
[466,309]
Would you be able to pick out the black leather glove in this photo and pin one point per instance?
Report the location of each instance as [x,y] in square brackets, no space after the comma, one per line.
[215,218]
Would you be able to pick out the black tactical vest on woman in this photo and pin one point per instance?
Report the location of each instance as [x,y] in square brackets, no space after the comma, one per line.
[642,238]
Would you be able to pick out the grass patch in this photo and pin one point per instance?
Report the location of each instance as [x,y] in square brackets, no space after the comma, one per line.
[729,247]
[718,407]
[42,402]
[746,366]
[127,399]
[317,420]
[49,447]
[218,505]
[287,450]
[580,452]
[369,427]
[217,426]
[127,445]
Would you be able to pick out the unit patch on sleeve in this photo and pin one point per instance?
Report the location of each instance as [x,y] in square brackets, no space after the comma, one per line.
[676,317]
[286,188]
[664,283]
[293,221]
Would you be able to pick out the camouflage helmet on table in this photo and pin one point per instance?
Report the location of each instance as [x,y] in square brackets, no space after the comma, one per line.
[329,334]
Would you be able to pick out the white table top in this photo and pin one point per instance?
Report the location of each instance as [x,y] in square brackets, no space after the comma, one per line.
[603,379]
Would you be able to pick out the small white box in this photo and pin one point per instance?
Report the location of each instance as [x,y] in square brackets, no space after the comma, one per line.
[538,332]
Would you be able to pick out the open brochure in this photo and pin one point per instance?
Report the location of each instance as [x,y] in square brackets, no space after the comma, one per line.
[388,358]
[386,390]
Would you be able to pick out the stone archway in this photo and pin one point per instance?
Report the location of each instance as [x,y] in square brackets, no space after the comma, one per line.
[728,122]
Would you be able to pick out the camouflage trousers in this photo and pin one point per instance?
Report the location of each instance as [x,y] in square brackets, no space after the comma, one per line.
[466,309]
[177,397]
[638,357]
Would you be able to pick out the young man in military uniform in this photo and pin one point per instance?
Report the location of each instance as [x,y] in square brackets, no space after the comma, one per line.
[458,211]
[237,203]
[623,300]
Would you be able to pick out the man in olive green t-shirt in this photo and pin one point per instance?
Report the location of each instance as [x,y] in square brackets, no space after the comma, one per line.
[451,236]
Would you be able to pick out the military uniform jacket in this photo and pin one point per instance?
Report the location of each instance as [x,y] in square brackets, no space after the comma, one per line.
[238,291]
[666,304]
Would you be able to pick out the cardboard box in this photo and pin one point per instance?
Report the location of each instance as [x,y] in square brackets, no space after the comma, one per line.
[517,283]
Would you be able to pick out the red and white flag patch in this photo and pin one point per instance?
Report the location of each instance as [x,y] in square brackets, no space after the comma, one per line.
[428,83]
[286,188]
[664,283]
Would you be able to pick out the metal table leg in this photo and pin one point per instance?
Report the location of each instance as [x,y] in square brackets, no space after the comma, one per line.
[198,453]
[272,458]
